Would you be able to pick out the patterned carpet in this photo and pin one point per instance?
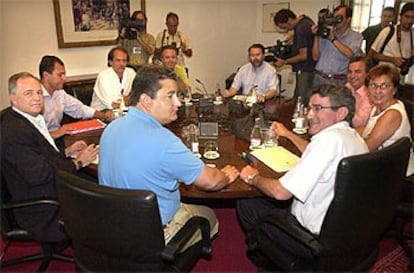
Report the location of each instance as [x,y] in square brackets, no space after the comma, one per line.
[392,258]
[228,253]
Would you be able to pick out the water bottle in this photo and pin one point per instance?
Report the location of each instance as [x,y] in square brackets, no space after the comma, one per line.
[121,107]
[300,121]
[256,135]
[253,94]
[298,105]
[193,141]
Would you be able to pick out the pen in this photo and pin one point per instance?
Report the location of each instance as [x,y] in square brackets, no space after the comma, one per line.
[246,158]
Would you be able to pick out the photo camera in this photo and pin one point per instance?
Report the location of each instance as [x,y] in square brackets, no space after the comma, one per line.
[327,20]
[405,67]
[281,50]
[132,27]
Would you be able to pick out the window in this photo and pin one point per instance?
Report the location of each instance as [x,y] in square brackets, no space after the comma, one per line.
[366,13]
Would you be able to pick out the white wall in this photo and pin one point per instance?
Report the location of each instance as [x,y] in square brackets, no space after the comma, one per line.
[221,32]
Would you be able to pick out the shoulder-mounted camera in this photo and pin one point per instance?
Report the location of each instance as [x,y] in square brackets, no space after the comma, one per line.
[327,20]
[132,27]
[281,50]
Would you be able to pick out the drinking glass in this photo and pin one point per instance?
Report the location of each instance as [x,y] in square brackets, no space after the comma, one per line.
[269,138]
[211,150]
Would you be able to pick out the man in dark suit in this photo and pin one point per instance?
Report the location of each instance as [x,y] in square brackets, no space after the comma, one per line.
[30,157]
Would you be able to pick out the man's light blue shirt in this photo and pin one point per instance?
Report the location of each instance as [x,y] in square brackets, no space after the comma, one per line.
[263,77]
[331,60]
[137,152]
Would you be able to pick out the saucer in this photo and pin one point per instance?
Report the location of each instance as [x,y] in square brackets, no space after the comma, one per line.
[300,131]
[211,155]
[218,102]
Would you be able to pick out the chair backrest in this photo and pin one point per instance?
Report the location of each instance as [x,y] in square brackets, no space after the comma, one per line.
[367,189]
[112,230]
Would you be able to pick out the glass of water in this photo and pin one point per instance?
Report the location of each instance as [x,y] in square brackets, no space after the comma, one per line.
[269,138]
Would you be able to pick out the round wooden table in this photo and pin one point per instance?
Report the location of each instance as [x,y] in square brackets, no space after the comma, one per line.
[230,146]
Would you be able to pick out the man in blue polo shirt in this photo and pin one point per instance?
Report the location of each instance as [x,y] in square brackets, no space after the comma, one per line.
[138,152]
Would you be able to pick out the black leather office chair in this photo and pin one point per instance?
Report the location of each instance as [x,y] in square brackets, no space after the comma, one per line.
[119,230]
[367,190]
[12,232]
[404,214]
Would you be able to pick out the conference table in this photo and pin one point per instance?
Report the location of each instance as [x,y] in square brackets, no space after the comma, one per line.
[230,144]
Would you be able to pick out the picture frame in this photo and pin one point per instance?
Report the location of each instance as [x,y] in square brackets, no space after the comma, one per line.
[75,31]
[269,11]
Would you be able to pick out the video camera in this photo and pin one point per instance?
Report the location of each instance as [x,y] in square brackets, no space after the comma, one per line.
[280,50]
[130,25]
[327,20]
[405,67]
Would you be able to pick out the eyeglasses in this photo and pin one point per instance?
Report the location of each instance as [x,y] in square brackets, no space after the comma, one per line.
[317,107]
[382,86]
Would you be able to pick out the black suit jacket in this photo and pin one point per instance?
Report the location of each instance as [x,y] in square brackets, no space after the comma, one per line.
[28,165]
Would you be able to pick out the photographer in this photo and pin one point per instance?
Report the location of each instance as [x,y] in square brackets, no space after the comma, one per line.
[301,55]
[172,36]
[399,49]
[337,44]
[134,38]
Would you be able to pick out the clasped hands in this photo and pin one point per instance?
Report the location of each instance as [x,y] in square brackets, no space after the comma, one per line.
[82,152]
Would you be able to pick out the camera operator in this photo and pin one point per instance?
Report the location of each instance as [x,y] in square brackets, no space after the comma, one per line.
[399,49]
[134,38]
[301,57]
[332,52]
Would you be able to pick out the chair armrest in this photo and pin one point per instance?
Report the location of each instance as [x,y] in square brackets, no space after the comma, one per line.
[300,234]
[184,234]
[30,202]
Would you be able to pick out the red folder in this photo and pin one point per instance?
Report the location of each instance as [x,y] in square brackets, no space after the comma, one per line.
[85,125]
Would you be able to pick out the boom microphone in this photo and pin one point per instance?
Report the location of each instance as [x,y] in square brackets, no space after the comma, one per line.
[204,87]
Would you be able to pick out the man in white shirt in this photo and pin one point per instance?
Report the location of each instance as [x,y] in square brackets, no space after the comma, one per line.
[113,84]
[399,50]
[311,182]
[57,102]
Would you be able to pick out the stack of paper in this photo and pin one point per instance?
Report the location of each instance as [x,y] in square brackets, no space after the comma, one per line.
[85,125]
[277,158]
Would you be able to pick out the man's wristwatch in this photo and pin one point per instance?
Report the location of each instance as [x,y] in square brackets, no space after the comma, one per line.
[250,178]
[78,164]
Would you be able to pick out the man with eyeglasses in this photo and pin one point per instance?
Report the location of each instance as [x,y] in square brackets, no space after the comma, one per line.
[311,182]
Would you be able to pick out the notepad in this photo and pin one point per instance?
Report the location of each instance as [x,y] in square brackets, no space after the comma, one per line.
[86,125]
[277,158]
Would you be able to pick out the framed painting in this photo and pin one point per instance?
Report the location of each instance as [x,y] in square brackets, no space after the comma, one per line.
[91,23]
[269,11]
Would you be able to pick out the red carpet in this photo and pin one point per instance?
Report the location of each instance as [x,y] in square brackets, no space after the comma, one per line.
[228,252]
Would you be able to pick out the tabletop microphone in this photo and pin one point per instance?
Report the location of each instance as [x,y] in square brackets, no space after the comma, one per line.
[204,87]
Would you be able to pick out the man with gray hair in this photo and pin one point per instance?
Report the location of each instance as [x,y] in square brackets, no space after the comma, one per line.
[30,157]
[311,182]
